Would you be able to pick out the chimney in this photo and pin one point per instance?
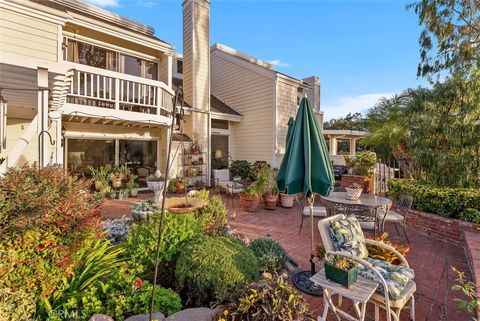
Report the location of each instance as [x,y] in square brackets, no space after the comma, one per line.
[196,53]
[196,73]
[314,93]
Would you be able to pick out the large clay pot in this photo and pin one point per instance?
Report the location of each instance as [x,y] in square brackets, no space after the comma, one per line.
[287,200]
[180,187]
[270,201]
[249,203]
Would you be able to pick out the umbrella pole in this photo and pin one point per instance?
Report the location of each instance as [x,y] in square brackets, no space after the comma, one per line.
[311,200]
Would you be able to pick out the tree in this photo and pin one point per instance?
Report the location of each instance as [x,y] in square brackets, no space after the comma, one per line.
[351,122]
[451,36]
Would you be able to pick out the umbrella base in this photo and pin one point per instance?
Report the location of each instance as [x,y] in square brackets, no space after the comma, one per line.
[301,281]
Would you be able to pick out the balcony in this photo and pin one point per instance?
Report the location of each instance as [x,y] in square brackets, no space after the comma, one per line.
[102,94]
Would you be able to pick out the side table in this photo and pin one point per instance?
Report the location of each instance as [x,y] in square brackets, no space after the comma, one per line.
[359,292]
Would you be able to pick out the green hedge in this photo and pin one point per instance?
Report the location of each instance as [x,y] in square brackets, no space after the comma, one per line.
[444,201]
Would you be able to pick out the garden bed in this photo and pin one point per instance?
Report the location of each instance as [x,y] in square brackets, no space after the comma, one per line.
[472,249]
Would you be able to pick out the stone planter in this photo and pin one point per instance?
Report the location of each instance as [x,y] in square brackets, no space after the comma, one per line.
[287,200]
[270,201]
[345,278]
[249,203]
[157,188]
[141,215]
[123,195]
[112,195]
[366,182]
[134,192]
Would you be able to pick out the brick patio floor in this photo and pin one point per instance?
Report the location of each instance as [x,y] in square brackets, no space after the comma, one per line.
[430,258]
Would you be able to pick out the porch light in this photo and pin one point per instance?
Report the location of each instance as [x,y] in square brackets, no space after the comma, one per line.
[218,153]
[63,132]
[3,122]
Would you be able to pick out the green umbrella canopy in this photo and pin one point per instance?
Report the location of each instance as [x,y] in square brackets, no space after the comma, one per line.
[306,166]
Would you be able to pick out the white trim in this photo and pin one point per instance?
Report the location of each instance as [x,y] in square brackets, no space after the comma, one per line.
[270,74]
[235,53]
[228,117]
[35,10]
[71,134]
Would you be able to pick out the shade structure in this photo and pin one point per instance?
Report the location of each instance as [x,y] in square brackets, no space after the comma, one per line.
[306,168]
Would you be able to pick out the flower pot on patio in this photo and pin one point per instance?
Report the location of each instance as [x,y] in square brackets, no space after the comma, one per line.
[286,200]
[141,215]
[116,184]
[98,185]
[343,277]
[270,201]
[122,194]
[134,192]
[180,187]
[249,203]
[112,195]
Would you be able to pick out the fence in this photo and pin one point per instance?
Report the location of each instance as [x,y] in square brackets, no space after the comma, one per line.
[387,169]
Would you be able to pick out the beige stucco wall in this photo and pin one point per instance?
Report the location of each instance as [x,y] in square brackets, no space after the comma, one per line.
[29,36]
[251,93]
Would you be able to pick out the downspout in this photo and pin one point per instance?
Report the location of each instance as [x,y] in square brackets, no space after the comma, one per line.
[274,111]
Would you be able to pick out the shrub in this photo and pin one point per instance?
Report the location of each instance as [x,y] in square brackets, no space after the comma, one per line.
[142,239]
[214,268]
[444,201]
[270,254]
[16,306]
[213,216]
[271,299]
[240,168]
[470,215]
[364,163]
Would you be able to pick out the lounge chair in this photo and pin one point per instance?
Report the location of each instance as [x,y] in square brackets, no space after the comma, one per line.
[342,235]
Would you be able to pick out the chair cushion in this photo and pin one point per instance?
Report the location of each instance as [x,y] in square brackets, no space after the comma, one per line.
[393,216]
[397,277]
[347,235]
[318,211]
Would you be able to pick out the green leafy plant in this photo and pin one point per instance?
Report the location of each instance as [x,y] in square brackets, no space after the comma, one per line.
[213,216]
[364,163]
[271,299]
[141,241]
[14,306]
[270,254]
[256,169]
[145,206]
[251,191]
[341,263]
[171,188]
[214,268]
[468,290]
[240,168]
[470,215]
[444,201]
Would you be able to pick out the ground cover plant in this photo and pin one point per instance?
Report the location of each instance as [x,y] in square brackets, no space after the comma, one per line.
[270,254]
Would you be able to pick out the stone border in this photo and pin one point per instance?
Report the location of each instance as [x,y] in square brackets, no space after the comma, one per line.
[472,249]
[448,229]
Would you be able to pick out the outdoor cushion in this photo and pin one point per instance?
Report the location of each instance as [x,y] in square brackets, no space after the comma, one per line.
[347,235]
[393,216]
[397,277]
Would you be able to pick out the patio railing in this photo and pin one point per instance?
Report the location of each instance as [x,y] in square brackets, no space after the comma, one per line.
[108,89]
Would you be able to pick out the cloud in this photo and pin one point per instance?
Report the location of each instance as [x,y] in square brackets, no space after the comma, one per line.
[104,3]
[278,63]
[340,107]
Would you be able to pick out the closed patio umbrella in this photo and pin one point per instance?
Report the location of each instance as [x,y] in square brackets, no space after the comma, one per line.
[306,166]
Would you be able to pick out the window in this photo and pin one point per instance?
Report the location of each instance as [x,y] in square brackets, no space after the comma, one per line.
[343,147]
[95,56]
[180,66]
[90,55]
[219,124]
[89,152]
[137,153]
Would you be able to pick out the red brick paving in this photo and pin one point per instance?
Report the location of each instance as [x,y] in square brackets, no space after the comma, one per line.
[430,258]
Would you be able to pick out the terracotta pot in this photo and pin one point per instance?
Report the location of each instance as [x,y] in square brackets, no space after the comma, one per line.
[287,200]
[249,203]
[180,187]
[270,201]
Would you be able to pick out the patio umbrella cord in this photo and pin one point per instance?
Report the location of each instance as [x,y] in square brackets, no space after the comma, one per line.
[301,281]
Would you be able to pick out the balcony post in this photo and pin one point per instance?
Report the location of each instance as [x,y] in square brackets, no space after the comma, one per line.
[117,93]
[160,94]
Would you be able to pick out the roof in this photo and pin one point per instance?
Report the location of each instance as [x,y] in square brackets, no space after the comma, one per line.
[101,14]
[180,137]
[216,105]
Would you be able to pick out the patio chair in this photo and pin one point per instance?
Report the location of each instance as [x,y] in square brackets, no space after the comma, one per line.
[400,215]
[343,236]
[224,184]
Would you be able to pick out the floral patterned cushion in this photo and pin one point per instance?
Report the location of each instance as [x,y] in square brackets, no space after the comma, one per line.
[347,235]
[396,277]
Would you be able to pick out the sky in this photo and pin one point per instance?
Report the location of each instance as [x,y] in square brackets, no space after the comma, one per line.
[360,50]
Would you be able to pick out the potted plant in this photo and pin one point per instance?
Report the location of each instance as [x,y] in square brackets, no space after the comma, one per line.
[155,183]
[240,168]
[100,176]
[132,186]
[270,198]
[286,200]
[180,184]
[143,210]
[353,191]
[171,185]
[110,192]
[341,270]
[269,187]
[249,199]
[363,170]
[116,179]
[123,194]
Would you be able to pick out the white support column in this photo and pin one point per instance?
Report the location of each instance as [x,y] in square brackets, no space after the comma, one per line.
[169,71]
[59,142]
[333,146]
[117,152]
[353,146]
[117,94]
[42,129]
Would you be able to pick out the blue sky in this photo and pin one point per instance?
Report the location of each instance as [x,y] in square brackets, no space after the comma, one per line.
[361,50]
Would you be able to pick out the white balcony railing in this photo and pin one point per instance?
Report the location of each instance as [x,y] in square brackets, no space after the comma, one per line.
[107,89]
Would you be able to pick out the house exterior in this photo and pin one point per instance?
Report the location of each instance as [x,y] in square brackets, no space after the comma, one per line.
[82,86]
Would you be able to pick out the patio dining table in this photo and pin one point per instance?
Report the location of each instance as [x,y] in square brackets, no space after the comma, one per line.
[376,206]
